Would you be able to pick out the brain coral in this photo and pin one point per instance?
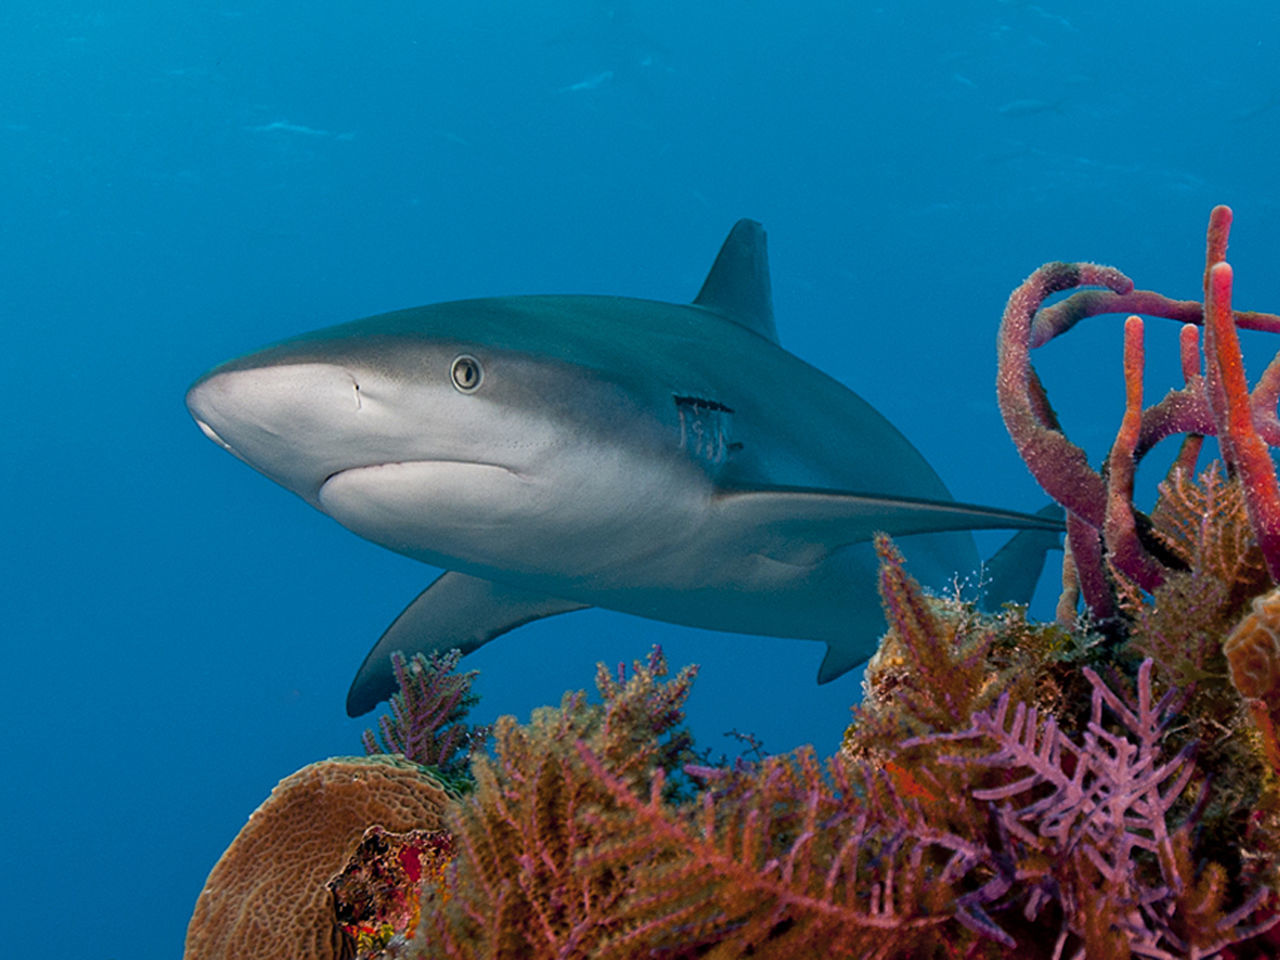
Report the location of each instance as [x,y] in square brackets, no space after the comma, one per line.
[266,895]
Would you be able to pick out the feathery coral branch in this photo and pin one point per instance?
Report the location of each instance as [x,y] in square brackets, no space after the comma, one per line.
[1095,817]
[425,719]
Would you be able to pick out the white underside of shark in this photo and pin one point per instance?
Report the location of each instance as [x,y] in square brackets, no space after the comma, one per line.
[553,453]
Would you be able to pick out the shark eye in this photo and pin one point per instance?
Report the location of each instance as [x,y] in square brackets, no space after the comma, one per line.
[467,374]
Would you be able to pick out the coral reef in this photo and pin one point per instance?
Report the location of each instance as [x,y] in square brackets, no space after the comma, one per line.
[376,895]
[1105,826]
[1096,842]
[1209,548]
[1103,786]
[524,884]
[266,896]
[998,829]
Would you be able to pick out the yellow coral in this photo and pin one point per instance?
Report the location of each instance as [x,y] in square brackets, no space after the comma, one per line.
[1205,524]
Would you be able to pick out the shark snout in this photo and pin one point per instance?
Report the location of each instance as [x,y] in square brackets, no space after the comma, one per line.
[295,423]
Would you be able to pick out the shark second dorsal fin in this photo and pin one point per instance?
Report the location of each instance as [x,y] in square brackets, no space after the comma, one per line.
[737,287]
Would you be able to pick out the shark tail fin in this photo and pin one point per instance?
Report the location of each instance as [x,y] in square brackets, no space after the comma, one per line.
[1014,570]
[738,285]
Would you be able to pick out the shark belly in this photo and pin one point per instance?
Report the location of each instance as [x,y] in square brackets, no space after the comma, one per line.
[752,593]
[635,529]
[573,540]
[647,545]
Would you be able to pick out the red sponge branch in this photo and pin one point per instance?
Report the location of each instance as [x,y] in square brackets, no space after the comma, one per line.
[1120,530]
[1061,467]
[1242,448]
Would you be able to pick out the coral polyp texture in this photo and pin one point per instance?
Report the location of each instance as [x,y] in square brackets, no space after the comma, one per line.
[1106,785]
[1253,649]
[266,897]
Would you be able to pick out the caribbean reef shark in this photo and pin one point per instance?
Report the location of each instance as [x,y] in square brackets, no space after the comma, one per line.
[553,453]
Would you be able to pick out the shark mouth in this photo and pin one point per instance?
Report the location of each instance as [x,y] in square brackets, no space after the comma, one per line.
[212,434]
[443,503]
[397,469]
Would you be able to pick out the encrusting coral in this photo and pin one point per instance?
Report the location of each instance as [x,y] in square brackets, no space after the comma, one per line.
[1253,649]
[266,896]
[1253,653]
[376,896]
[1103,786]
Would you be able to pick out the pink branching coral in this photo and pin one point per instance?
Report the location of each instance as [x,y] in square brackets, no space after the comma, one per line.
[1086,826]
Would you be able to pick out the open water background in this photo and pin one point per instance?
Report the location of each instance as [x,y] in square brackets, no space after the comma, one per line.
[182,182]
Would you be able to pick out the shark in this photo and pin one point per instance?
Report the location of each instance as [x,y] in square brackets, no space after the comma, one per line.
[552,453]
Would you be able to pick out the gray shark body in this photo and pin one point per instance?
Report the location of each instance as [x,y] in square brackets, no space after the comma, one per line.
[552,453]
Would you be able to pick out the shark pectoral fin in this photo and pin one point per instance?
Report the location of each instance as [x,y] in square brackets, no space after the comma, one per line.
[457,610]
[1013,570]
[789,521]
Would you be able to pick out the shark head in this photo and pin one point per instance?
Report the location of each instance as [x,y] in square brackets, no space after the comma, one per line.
[436,431]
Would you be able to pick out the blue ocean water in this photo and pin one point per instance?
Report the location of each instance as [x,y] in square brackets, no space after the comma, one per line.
[184,182]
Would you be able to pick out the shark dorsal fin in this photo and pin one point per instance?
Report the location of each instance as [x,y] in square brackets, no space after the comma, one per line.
[737,287]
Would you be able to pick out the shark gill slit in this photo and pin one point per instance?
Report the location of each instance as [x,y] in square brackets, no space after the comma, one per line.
[704,428]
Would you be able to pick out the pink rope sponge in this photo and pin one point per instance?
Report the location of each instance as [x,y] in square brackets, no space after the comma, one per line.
[1103,525]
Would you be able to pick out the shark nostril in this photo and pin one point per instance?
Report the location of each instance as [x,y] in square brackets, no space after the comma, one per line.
[359,404]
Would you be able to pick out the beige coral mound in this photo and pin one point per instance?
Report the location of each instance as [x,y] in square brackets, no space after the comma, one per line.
[266,896]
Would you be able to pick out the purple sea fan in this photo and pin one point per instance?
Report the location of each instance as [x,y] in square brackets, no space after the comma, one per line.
[1087,828]
[425,720]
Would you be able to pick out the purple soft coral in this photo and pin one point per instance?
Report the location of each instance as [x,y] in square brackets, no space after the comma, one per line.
[1087,827]
[425,721]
